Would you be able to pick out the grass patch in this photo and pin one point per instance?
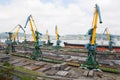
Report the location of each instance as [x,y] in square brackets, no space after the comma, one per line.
[23,77]
[78,50]
[28,71]
[29,74]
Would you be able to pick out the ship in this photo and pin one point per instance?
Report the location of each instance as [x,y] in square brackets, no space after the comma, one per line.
[99,47]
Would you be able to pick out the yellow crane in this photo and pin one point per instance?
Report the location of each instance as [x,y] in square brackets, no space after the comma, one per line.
[56,31]
[16,33]
[31,23]
[48,38]
[47,35]
[94,24]
[107,33]
[109,38]
[58,41]
[37,53]
[11,42]
[91,62]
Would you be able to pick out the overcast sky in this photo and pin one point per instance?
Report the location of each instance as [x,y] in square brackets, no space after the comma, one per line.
[71,16]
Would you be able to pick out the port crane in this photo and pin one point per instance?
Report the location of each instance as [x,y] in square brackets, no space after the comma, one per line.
[9,46]
[48,38]
[37,53]
[109,38]
[58,41]
[91,62]
[11,42]
[16,33]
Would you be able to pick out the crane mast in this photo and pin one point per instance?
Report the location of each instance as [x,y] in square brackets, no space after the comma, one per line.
[58,41]
[94,24]
[48,38]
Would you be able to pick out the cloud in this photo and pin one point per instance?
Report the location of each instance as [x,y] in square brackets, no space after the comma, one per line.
[72,17]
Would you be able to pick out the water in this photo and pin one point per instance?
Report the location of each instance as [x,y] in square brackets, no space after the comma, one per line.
[99,42]
[71,41]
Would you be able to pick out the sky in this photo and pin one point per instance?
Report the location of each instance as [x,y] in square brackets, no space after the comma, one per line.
[71,16]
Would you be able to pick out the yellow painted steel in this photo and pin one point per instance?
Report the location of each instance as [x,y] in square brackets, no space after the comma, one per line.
[33,22]
[47,35]
[15,34]
[108,34]
[95,20]
[56,30]
[73,64]
[32,30]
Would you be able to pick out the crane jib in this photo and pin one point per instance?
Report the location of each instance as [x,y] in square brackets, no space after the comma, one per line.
[98,10]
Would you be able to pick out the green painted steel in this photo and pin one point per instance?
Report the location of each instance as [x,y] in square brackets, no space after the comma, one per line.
[91,62]
[37,53]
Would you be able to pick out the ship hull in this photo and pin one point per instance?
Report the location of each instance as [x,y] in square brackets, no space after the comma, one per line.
[99,47]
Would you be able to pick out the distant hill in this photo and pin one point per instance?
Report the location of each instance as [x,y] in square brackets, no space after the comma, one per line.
[4,35]
[65,37]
